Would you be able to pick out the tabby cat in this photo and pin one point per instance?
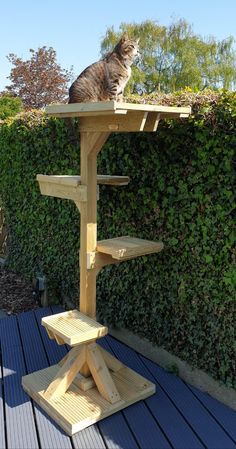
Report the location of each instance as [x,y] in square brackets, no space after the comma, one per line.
[106,79]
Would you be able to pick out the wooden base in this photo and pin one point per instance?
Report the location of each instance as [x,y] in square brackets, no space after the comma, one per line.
[77,409]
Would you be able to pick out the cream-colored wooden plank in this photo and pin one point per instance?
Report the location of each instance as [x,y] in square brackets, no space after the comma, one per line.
[152,121]
[101,375]
[84,383]
[59,340]
[77,194]
[111,107]
[112,362]
[70,180]
[73,327]
[50,334]
[101,106]
[153,108]
[127,247]
[113,180]
[66,373]
[76,410]
[134,121]
[89,114]
[75,181]
[90,145]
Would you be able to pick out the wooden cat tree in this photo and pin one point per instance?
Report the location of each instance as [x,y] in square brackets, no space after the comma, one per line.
[89,383]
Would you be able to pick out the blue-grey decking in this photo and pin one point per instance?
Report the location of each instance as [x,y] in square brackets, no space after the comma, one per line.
[177,416]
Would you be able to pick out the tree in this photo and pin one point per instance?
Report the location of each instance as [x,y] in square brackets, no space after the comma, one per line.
[9,106]
[173,57]
[39,80]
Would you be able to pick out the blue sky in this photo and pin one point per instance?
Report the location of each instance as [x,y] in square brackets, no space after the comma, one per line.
[74,28]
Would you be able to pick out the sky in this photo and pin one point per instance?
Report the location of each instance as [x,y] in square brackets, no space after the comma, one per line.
[75,28]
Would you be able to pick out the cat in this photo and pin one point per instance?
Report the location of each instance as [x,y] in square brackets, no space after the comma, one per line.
[106,79]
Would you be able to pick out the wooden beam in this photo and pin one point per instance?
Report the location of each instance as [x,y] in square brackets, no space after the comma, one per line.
[101,375]
[134,121]
[67,373]
[152,121]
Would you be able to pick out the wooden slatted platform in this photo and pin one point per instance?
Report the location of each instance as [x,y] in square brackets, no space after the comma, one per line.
[112,116]
[122,248]
[73,327]
[177,416]
[113,107]
[69,187]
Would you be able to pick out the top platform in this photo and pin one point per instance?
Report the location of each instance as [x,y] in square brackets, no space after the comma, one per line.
[109,116]
[113,108]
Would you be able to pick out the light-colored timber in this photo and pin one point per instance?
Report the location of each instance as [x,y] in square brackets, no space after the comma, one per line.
[112,107]
[73,327]
[89,383]
[75,181]
[112,116]
[128,247]
[77,409]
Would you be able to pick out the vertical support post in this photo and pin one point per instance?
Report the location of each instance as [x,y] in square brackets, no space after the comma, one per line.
[90,145]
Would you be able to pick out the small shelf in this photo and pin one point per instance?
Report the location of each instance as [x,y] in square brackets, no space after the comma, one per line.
[69,186]
[122,248]
[73,327]
[75,180]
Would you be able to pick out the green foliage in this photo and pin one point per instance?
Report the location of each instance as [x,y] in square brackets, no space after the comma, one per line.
[174,57]
[181,192]
[9,106]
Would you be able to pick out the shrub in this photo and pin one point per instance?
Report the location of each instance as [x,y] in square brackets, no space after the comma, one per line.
[181,192]
[9,106]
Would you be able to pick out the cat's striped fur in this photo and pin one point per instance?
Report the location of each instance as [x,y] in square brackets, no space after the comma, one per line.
[106,79]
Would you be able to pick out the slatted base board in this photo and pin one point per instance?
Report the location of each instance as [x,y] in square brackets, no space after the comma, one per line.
[77,409]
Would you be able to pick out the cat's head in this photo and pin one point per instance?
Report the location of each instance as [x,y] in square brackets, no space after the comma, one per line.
[127,48]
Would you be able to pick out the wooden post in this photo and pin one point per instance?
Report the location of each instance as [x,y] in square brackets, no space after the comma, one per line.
[90,145]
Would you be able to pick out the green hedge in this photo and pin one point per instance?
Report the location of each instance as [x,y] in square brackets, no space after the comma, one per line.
[181,192]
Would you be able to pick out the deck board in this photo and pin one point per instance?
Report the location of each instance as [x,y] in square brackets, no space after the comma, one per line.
[179,433]
[20,423]
[51,436]
[178,416]
[205,426]
[225,416]
[2,427]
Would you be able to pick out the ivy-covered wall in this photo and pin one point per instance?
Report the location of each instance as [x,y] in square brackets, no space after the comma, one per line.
[181,192]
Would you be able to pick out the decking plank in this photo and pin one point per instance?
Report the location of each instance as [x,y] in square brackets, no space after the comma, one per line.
[205,426]
[2,427]
[116,432]
[50,434]
[225,416]
[145,428]
[211,434]
[175,427]
[20,424]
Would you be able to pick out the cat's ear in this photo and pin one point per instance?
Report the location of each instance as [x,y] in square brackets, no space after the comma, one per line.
[137,40]
[125,37]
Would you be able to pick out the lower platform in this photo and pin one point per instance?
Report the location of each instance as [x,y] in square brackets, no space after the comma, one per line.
[78,409]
